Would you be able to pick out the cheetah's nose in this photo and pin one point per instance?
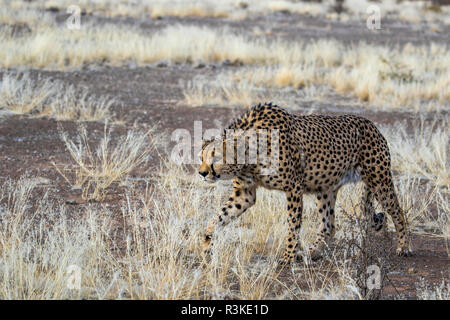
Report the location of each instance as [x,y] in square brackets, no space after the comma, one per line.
[203,173]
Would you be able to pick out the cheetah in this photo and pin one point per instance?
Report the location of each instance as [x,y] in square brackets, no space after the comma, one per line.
[316,155]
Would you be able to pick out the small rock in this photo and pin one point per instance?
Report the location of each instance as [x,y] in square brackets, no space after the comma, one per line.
[72,201]
[243,5]
[162,64]
[52,9]
[285,12]
[235,63]
[132,65]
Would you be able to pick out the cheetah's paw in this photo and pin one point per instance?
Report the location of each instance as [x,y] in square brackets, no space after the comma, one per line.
[404,252]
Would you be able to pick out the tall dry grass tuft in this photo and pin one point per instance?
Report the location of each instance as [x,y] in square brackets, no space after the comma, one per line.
[71,104]
[96,169]
[20,94]
[423,152]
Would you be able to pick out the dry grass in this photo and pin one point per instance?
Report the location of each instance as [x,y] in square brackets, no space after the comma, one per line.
[96,169]
[24,16]
[413,11]
[422,153]
[170,266]
[420,160]
[161,258]
[442,221]
[157,255]
[20,94]
[68,104]
[412,77]
[439,292]
[202,91]
[221,92]
[61,48]
[38,244]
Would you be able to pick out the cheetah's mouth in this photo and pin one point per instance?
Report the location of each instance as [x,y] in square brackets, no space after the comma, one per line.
[210,179]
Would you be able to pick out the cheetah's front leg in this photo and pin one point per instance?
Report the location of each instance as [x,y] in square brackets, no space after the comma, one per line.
[241,199]
[295,207]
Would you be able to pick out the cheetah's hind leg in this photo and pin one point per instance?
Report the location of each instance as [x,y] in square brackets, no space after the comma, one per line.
[325,205]
[378,220]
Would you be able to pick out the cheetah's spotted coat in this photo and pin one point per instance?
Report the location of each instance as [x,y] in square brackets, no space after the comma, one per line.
[317,154]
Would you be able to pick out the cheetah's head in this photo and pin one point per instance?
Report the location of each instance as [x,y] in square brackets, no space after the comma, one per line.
[214,166]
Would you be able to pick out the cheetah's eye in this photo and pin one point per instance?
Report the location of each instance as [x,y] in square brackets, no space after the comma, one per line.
[216,158]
